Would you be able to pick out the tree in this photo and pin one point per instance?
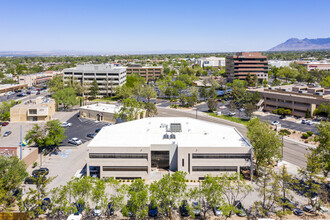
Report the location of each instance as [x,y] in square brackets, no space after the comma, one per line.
[183,99]
[12,174]
[255,80]
[284,179]
[129,111]
[266,143]
[203,92]
[123,92]
[287,73]
[168,191]
[61,205]
[94,89]
[149,92]
[308,114]
[248,109]
[55,133]
[98,195]
[36,135]
[138,198]
[212,104]
[179,85]
[5,109]
[67,97]
[248,79]
[55,84]
[118,193]
[31,203]
[326,82]
[151,109]
[212,93]
[323,149]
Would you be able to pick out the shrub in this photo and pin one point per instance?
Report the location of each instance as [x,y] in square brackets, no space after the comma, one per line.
[284,132]
[309,133]
[305,136]
[35,164]
[174,106]
[294,132]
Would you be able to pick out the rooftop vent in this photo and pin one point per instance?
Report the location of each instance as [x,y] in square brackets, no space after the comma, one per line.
[175,127]
[166,136]
[172,136]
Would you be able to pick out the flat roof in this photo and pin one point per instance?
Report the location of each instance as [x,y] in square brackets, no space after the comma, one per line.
[95,68]
[7,86]
[101,107]
[150,131]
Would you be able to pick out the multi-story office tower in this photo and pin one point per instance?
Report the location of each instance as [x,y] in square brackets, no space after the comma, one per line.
[242,64]
[150,73]
[108,76]
[211,61]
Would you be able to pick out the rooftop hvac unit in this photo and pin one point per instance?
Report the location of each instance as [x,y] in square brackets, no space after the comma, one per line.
[166,136]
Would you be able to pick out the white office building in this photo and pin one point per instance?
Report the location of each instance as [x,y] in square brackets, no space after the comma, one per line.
[211,61]
[108,76]
[145,147]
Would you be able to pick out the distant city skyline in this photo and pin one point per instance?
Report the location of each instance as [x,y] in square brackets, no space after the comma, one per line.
[147,26]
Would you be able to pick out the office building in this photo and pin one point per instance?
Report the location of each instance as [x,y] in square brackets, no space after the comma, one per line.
[38,79]
[5,88]
[297,98]
[108,76]
[240,65]
[211,61]
[39,109]
[104,112]
[150,73]
[146,147]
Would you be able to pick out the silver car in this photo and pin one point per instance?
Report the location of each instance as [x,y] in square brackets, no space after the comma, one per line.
[75,141]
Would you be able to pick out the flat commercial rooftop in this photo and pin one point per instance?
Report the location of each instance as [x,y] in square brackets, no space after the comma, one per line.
[100,107]
[151,131]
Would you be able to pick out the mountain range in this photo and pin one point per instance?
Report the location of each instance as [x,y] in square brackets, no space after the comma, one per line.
[294,44]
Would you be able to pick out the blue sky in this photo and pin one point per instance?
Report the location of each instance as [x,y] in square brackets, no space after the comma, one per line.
[159,25]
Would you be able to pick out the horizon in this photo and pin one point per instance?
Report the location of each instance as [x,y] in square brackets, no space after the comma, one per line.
[147,27]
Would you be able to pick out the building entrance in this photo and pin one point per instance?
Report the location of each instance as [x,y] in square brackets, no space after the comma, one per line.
[160,159]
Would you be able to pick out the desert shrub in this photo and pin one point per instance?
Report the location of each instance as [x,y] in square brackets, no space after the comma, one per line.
[309,133]
[305,136]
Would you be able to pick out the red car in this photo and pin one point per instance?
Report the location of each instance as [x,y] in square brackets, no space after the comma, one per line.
[4,124]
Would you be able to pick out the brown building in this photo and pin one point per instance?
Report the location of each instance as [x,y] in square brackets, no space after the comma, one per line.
[33,110]
[150,73]
[243,63]
[296,98]
[11,87]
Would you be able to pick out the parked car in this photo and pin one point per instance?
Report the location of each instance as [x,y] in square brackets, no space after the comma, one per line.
[7,133]
[217,211]
[21,95]
[303,121]
[309,122]
[97,210]
[3,124]
[40,171]
[231,113]
[298,212]
[240,209]
[308,208]
[45,203]
[91,135]
[110,211]
[152,209]
[28,92]
[75,141]
[184,209]
[196,209]
[275,123]
[74,217]
[66,124]
[34,92]
[98,130]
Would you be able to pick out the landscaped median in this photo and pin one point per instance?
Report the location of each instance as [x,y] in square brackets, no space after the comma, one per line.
[230,118]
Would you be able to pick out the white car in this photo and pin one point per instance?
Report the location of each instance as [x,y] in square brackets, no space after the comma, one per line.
[275,123]
[66,124]
[309,122]
[34,92]
[74,217]
[75,141]
[97,210]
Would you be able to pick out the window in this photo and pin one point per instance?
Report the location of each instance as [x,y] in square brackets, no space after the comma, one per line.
[214,168]
[221,156]
[182,162]
[119,155]
[125,168]
[32,111]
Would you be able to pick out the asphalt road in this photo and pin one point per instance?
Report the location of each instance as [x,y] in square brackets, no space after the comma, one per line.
[293,152]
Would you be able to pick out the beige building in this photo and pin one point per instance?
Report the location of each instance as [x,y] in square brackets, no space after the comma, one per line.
[37,79]
[39,109]
[147,147]
[103,112]
[297,98]
[11,88]
[150,73]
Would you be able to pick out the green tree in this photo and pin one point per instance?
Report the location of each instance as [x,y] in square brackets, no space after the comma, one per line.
[212,93]
[287,73]
[212,104]
[151,109]
[179,85]
[323,149]
[123,92]
[183,99]
[61,205]
[326,82]
[138,198]
[129,111]
[94,89]
[36,135]
[12,174]
[266,143]
[118,194]
[55,133]
[5,110]
[249,109]
[284,179]
[149,92]
[203,92]
[66,97]
[55,84]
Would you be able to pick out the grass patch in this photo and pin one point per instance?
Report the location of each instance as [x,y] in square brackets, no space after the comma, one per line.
[230,118]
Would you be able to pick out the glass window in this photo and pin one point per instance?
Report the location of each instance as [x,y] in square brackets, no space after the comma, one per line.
[125,168]
[214,168]
[119,155]
[221,156]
